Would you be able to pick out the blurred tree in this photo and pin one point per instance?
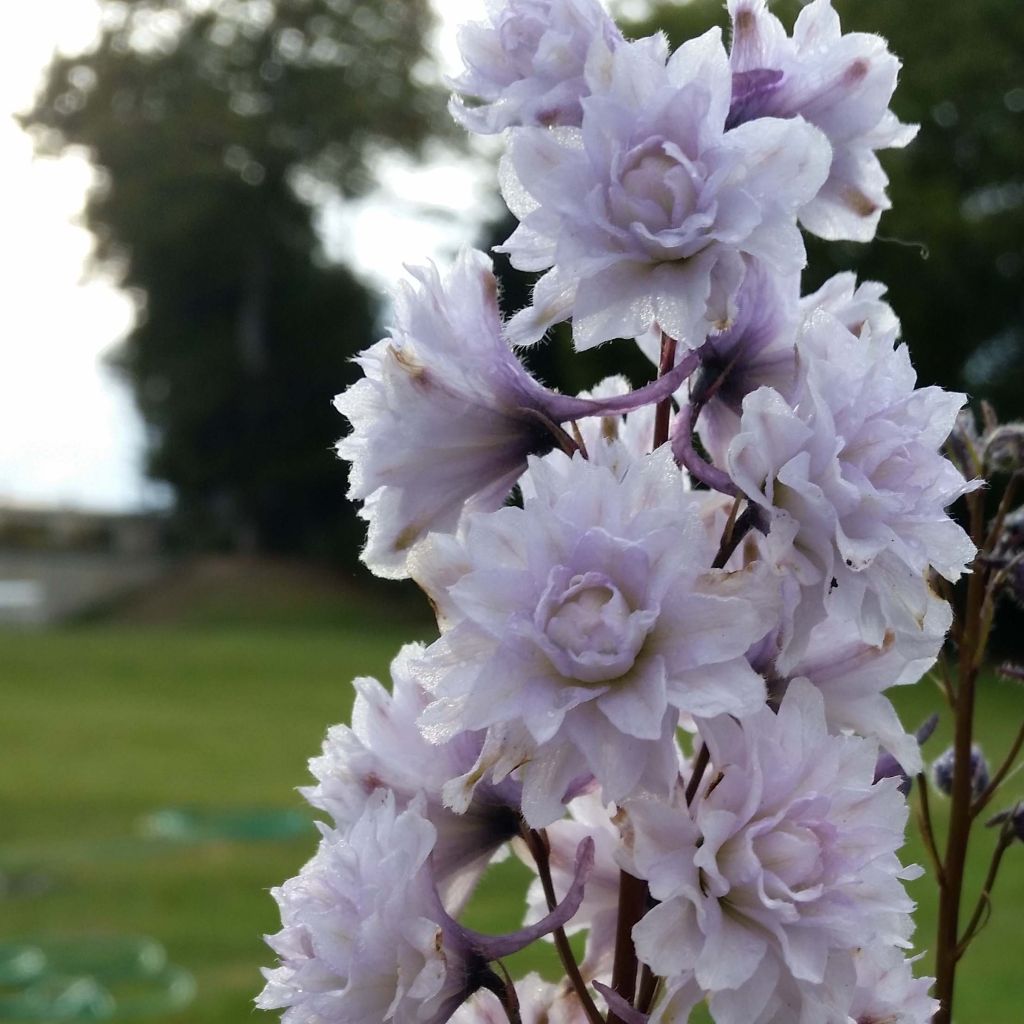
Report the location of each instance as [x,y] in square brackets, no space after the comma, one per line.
[957,192]
[215,125]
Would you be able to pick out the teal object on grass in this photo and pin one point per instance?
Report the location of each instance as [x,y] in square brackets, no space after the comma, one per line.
[197,825]
[91,978]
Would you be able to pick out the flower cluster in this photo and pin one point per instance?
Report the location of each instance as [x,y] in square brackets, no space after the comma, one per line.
[667,616]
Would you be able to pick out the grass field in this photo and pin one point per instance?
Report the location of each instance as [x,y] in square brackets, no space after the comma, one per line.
[102,725]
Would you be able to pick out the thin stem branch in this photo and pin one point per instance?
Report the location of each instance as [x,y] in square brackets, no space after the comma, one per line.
[699,767]
[735,532]
[537,843]
[997,780]
[924,818]
[984,905]
[1005,504]
[663,412]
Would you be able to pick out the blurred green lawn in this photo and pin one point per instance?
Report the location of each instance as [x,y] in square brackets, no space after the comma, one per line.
[103,724]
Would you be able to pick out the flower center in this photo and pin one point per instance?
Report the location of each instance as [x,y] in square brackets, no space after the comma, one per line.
[586,627]
[790,857]
[652,178]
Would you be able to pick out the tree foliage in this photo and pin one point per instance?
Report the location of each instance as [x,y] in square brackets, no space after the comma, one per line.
[213,125]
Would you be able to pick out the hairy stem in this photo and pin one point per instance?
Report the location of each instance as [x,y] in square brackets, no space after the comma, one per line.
[954,863]
[924,819]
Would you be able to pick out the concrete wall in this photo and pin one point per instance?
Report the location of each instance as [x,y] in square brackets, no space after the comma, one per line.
[38,588]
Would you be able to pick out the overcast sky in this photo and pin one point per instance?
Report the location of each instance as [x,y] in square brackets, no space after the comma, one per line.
[68,431]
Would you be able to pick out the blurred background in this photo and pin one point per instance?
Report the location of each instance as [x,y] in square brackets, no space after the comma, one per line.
[204,204]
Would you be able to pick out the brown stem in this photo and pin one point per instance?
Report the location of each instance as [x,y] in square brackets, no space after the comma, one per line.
[734,534]
[984,904]
[997,779]
[632,903]
[924,819]
[1005,504]
[699,767]
[648,988]
[946,680]
[960,821]
[537,843]
[506,993]
[664,410]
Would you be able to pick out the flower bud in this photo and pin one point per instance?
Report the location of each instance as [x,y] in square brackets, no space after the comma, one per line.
[1015,815]
[1004,448]
[963,442]
[1008,555]
[943,766]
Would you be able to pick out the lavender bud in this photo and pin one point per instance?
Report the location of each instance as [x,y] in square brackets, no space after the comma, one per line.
[887,767]
[942,771]
[1012,672]
[1016,814]
[963,443]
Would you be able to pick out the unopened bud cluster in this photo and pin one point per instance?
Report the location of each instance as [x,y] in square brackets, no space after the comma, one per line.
[666,660]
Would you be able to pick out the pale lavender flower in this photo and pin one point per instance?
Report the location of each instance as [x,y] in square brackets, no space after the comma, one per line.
[384,750]
[446,415]
[854,305]
[786,859]
[649,212]
[759,350]
[582,625]
[526,66]
[887,991]
[365,937]
[853,675]
[841,83]
[363,941]
[444,418]
[853,478]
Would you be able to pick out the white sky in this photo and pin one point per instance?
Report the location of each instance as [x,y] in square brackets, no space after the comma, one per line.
[68,431]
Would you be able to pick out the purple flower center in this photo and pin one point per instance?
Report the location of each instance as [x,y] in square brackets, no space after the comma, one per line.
[586,627]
